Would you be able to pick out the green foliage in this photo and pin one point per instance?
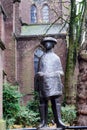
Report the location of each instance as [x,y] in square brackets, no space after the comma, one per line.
[11,98]
[50,115]
[11,104]
[68,114]
[34,103]
[28,115]
[14,113]
[33,106]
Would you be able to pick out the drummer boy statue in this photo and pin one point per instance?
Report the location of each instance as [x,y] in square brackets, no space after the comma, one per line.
[49,80]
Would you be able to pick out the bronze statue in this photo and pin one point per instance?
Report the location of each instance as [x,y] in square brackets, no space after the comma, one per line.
[49,80]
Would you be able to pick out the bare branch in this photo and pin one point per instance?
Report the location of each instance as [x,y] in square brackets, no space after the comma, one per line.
[66,22]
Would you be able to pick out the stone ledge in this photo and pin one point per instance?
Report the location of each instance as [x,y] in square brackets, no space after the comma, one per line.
[2,124]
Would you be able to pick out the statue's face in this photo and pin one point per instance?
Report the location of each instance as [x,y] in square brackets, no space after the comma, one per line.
[48,45]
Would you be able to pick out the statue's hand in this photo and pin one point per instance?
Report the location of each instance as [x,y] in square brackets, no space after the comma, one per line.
[59,73]
[40,74]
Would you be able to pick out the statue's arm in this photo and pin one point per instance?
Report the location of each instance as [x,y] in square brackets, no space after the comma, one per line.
[59,67]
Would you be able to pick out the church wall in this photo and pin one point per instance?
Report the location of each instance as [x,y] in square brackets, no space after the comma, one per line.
[2,47]
[25,7]
[65,9]
[9,60]
[1,83]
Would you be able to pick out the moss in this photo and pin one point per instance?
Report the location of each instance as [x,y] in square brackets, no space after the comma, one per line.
[2,124]
[69,75]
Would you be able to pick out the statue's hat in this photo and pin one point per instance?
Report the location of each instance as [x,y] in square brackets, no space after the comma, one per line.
[50,39]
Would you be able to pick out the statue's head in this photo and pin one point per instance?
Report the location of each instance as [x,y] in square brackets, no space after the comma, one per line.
[48,42]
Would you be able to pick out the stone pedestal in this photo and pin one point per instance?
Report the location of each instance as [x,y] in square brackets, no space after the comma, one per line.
[2,125]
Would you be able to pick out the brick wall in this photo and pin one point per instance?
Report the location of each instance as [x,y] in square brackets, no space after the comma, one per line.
[1,82]
[9,61]
[2,23]
[16,19]
[65,9]
[8,6]
[2,47]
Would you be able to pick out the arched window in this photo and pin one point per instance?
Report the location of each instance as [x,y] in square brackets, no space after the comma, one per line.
[37,55]
[33,14]
[45,13]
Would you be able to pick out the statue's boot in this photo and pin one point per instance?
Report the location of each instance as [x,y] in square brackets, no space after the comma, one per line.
[59,119]
[43,115]
[56,107]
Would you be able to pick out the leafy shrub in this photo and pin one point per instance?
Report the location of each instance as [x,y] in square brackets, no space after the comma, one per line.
[21,117]
[11,104]
[14,113]
[33,104]
[68,114]
[29,115]
[33,107]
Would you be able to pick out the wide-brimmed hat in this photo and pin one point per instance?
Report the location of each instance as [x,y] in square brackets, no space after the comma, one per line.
[51,39]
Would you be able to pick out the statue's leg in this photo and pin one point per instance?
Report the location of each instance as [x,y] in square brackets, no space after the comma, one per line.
[54,110]
[43,109]
[56,107]
[46,112]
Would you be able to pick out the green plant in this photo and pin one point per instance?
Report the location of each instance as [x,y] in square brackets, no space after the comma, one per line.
[10,122]
[33,107]
[33,104]
[11,104]
[26,117]
[68,114]
[29,115]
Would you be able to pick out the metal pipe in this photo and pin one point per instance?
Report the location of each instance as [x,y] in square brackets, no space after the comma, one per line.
[76,127]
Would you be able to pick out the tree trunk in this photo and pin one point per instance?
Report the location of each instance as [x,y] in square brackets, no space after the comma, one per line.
[70,91]
[69,88]
[75,31]
[82,89]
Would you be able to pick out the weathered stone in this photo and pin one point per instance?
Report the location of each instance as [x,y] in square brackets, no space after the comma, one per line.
[2,125]
[82,89]
[83,55]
